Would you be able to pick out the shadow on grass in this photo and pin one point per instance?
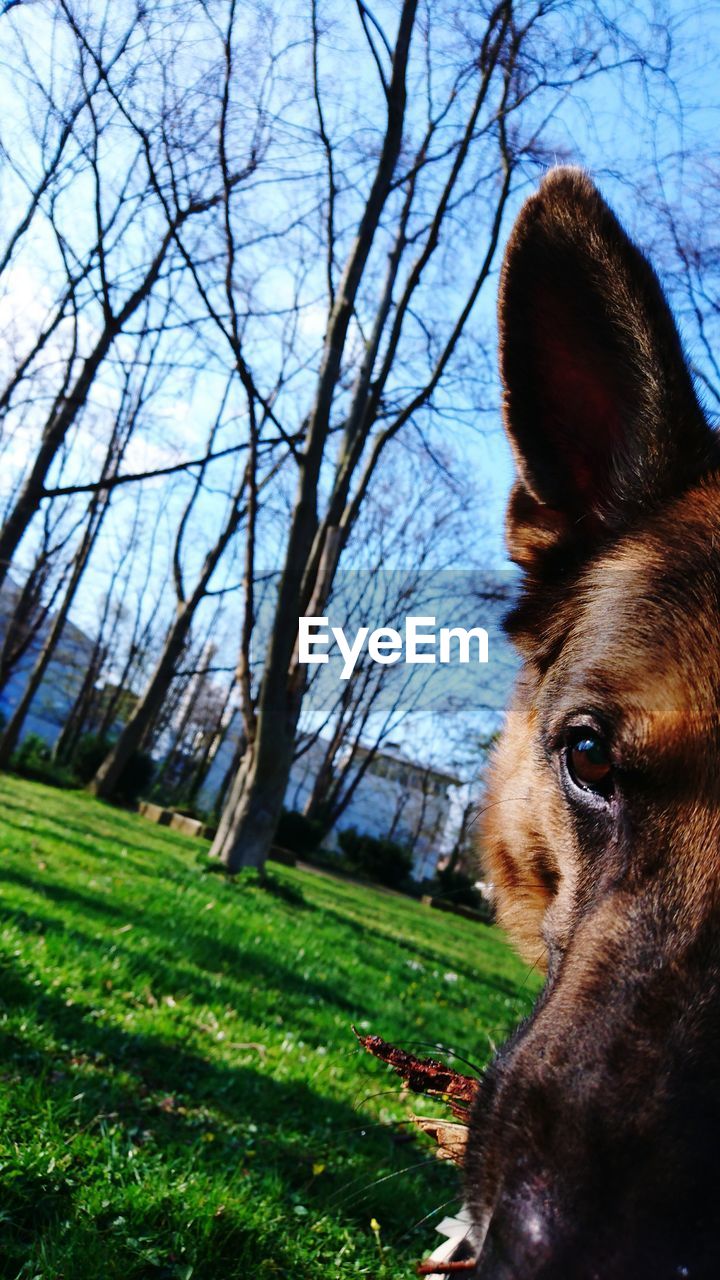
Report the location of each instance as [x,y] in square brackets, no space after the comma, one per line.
[433,958]
[154,1241]
[76,834]
[171,973]
[154,1093]
[85,1071]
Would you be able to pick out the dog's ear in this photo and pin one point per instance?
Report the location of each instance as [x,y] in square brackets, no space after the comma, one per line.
[599,402]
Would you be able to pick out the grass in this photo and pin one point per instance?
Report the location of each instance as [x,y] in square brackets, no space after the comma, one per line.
[180,1091]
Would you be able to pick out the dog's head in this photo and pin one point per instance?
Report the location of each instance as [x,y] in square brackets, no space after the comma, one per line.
[595,1143]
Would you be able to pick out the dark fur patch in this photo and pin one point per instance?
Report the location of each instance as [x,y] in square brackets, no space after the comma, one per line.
[594,1150]
[546,870]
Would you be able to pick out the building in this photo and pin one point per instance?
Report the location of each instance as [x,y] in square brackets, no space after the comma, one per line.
[61,684]
[407,801]
[396,798]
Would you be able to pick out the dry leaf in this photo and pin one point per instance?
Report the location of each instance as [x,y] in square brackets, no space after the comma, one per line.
[451,1138]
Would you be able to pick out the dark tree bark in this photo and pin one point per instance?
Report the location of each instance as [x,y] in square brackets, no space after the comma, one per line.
[14,727]
[145,197]
[254,803]
[149,705]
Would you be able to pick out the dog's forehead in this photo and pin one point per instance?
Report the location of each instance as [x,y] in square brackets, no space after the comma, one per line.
[643,633]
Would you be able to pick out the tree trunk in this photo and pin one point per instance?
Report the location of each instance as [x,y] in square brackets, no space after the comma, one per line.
[139,726]
[109,713]
[82,708]
[14,727]
[316,805]
[211,746]
[106,779]
[254,802]
[23,623]
[229,775]
[71,731]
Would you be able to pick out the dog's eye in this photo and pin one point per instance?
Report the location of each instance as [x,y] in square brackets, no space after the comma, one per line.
[588,761]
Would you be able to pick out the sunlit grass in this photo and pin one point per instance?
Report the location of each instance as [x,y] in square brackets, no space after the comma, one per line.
[180,1091]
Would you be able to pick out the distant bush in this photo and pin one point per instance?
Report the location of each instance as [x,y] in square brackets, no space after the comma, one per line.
[298,833]
[32,748]
[135,778]
[88,755]
[383,860]
[33,759]
[458,888]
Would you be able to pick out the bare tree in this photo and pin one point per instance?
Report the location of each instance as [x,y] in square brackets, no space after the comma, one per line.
[300,207]
[352,720]
[84,702]
[198,724]
[681,225]
[96,512]
[187,602]
[460,121]
[119,121]
[27,609]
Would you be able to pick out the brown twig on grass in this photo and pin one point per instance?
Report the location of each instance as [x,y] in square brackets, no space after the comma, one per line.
[448,1268]
[425,1075]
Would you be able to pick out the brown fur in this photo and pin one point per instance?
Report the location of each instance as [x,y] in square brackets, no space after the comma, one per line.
[595,1147]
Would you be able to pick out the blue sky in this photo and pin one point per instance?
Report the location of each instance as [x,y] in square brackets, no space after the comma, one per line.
[618,139]
[624,139]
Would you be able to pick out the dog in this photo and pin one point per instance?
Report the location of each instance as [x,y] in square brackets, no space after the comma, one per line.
[594,1140]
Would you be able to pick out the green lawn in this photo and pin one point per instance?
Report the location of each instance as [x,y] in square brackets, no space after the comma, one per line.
[180,1091]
